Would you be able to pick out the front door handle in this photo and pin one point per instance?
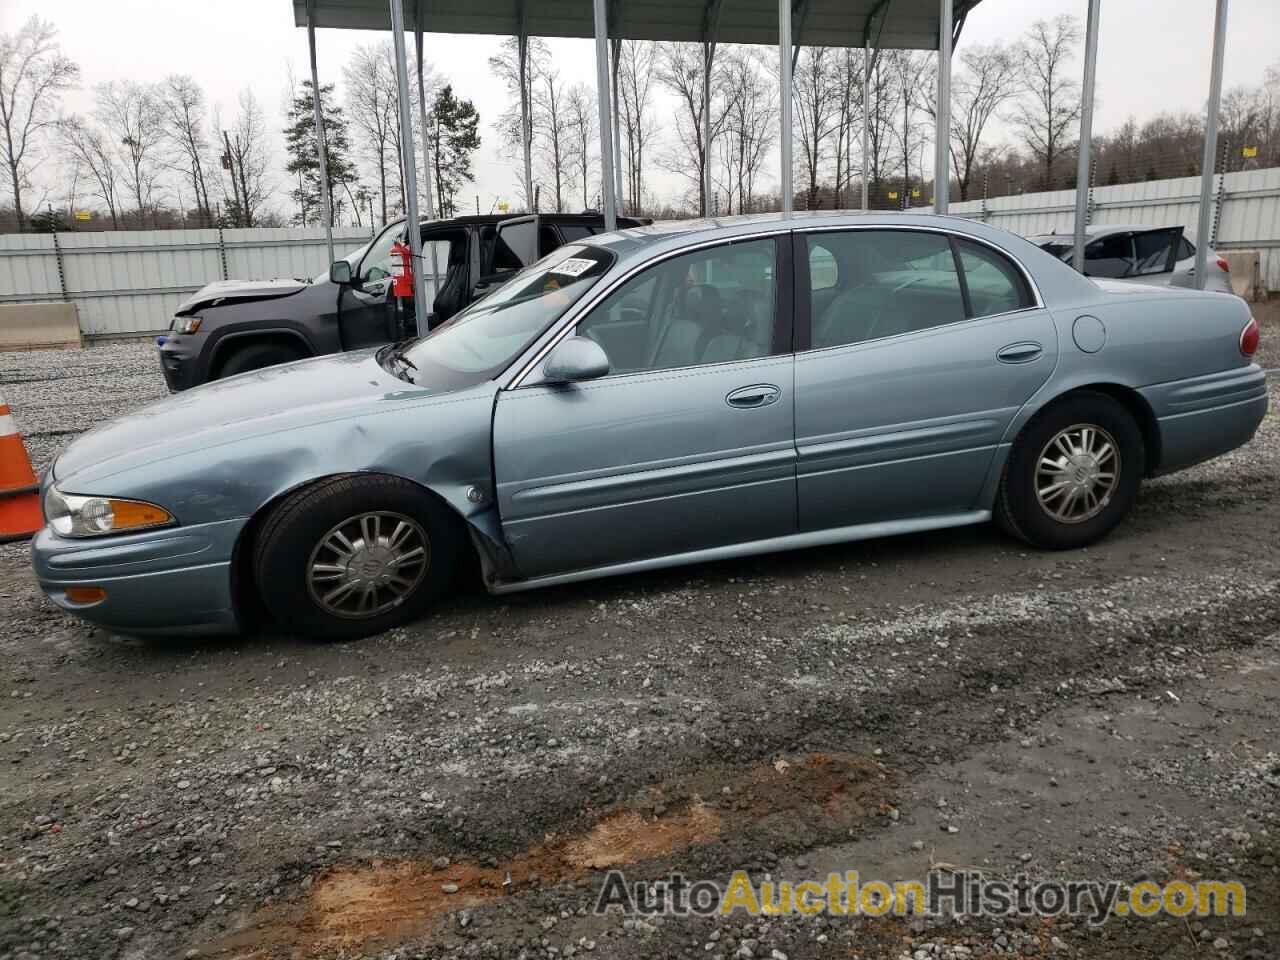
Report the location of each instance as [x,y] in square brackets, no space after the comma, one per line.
[1019,352]
[756,395]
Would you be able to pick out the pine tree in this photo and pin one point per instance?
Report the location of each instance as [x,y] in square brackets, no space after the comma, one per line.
[304,156]
[454,137]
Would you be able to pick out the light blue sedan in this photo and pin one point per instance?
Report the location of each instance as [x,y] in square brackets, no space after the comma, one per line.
[666,395]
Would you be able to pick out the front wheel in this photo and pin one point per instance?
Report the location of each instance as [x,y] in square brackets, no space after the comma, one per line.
[1073,473]
[355,555]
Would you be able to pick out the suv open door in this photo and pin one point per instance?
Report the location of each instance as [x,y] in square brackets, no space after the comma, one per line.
[519,235]
[1147,256]
[1155,254]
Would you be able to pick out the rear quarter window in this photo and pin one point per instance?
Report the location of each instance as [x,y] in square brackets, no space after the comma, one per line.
[995,285]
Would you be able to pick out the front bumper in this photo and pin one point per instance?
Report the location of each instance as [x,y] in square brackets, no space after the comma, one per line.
[171,581]
[180,361]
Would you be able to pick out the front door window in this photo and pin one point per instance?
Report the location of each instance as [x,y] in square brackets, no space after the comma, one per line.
[709,306]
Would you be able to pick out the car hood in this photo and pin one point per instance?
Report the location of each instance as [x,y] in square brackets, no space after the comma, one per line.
[272,400]
[222,292]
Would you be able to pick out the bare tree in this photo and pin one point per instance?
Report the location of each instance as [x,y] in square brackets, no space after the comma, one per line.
[371,104]
[636,67]
[817,104]
[880,165]
[246,161]
[1050,107]
[33,74]
[679,71]
[913,76]
[849,109]
[505,65]
[986,81]
[132,118]
[580,110]
[183,104]
[751,111]
[92,153]
[552,144]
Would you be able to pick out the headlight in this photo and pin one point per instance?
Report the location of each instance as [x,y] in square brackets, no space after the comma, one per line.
[73,516]
[186,324]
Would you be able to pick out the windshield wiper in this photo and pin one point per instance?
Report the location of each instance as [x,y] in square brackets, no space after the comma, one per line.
[397,355]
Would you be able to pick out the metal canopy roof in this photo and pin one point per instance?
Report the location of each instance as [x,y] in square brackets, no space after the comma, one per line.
[907,24]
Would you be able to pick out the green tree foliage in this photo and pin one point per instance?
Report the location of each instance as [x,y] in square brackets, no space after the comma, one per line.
[453,125]
[304,156]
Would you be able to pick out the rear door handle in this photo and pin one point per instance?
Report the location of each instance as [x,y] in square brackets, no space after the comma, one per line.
[1019,352]
[756,395]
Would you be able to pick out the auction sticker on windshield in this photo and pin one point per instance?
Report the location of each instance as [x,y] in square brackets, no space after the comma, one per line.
[574,266]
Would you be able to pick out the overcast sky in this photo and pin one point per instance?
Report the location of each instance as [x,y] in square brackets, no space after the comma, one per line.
[1152,56]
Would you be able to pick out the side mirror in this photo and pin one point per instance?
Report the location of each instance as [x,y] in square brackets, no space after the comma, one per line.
[340,272]
[576,359]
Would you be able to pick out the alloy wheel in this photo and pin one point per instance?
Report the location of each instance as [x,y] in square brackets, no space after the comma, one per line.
[368,564]
[1077,472]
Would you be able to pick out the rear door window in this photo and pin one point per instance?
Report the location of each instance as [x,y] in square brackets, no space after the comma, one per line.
[887,283]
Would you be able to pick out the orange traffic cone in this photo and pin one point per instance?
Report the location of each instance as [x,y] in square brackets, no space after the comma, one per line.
[20,515]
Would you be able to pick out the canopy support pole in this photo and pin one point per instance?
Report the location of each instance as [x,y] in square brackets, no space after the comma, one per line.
[526,119]
[615,53]
[426,138]
[942,137]
[708,58]
[1210,144]
[866,118]
[326,208]
[408,156]
[710,27]
[606,115]
[784,102]
[1085,148]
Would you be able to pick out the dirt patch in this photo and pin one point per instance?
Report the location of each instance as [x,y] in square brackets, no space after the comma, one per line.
[629,838]
[388,902]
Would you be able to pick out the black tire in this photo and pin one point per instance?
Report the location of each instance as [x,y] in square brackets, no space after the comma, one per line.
[1019,509]
[291,539]
[256,356]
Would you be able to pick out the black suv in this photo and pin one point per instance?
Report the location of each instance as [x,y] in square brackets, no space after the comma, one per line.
[233,326]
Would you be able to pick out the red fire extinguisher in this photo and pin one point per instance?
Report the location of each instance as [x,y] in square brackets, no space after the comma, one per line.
[402,286]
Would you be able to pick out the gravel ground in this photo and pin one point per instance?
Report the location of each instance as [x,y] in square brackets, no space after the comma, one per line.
[881,706]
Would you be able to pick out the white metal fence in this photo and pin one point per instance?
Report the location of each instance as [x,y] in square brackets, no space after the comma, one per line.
[130,282]
[1247,211]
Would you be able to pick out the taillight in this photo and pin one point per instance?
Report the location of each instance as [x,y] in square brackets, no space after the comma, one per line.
[1223,265]
[1249,338]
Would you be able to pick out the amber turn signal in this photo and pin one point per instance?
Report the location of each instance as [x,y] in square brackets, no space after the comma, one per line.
[85,594]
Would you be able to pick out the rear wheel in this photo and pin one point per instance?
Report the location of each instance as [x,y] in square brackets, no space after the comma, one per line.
[355,555]
[1073,473]
[256,356]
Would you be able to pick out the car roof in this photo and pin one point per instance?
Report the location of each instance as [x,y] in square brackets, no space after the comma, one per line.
[680,232]
[635,245]
[494,218]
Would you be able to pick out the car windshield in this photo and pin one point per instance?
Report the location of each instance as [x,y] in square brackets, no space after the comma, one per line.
[483,340]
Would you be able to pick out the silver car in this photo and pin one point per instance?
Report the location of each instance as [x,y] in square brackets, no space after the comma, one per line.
[1141,254]
[666,395]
